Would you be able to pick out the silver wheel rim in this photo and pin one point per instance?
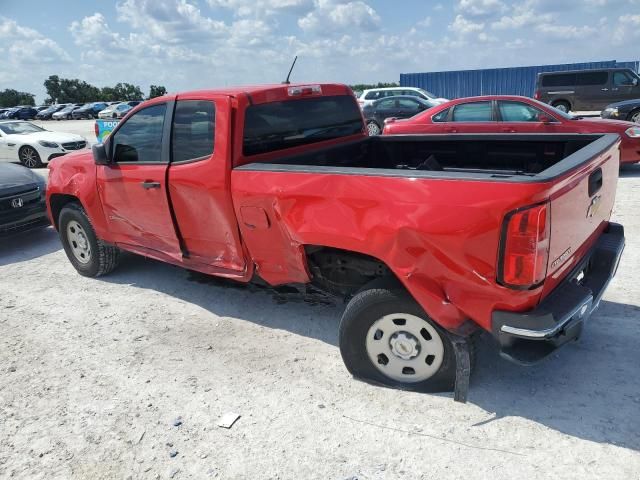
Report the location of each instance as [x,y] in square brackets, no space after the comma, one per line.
[404,347]
[29,157]
[636,117]
[373,129]
[79,242]
[562,107]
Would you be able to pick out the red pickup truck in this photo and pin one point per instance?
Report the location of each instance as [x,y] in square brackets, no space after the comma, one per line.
[431,238]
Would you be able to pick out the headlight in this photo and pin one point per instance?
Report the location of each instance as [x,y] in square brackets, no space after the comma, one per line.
[633,132]
[613,112]
[44,143]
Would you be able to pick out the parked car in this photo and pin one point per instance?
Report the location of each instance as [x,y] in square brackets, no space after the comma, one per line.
[118,110]
[367,97]
[32,145]
[514,114]
[22,200]
[89,110]
[22,113]
[432,238]
[66,113]
[40,108]
[401,106]
[628,110]
[3,111]
[48,112]
[133,103]
[587,90]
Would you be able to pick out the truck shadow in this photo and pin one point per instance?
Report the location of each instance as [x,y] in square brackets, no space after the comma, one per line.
[630,171]
[588,390]
[25,246]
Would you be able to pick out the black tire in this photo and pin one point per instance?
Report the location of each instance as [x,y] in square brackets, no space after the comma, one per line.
[103,257]
[634,116]
[365,308]
[562,106]
[29,157]
[373,129]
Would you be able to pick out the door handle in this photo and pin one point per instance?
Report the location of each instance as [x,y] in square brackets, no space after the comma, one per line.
[147,185]
[604,89]
[509,130]
[452,130]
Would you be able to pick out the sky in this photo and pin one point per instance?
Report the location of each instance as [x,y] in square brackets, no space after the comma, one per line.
[192,44]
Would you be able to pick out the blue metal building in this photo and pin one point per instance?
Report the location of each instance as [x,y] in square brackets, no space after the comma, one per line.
[495,81]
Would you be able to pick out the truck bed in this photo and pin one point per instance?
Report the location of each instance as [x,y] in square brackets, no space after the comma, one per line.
[485,156]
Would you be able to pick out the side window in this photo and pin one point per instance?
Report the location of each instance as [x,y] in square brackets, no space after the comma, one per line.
[441,116]
[518,112]
[473,112]
[408,104]
[388,103]
[621,79]
[193,130]
[140,138]
[593,78]
[559,80]
[372,95]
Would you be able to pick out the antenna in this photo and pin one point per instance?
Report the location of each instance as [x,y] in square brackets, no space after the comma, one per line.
[287,82]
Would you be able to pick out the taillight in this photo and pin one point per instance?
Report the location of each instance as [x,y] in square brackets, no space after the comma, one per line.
[537,95]
[524,247]
[95,128]
[305,90]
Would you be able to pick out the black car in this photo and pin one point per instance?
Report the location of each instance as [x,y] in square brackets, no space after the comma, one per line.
[22,199]
[90,110]
[47,112]
[398,106]
[628,110]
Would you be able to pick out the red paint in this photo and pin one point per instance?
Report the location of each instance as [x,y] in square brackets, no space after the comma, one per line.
[440,237]
[422,124]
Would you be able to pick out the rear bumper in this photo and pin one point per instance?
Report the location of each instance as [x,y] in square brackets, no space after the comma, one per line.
[528,337]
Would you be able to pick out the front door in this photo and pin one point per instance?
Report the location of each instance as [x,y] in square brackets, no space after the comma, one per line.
[519,117]
[624,86]
[133,187]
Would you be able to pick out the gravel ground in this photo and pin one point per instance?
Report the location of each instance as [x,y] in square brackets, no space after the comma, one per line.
[95,373]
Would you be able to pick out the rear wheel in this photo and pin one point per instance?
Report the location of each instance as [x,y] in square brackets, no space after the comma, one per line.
[29,157]
[373,129]
[562,106]
[89,255]
[386,338]
[635,116]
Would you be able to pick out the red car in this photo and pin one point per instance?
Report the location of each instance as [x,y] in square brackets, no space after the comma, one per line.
[430,238]
[513,114]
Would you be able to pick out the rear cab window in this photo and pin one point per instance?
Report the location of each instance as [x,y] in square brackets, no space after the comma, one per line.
[193,130]
[273,126]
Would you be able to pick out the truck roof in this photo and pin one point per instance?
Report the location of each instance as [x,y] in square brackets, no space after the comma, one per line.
[268,92]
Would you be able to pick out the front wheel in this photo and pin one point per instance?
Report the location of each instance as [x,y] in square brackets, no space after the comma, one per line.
[89,255]
[562,106]
[373,129]
[29,157]
[635,116]
[387,338]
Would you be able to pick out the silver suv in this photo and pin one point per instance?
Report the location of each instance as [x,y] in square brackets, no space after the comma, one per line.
[367,97]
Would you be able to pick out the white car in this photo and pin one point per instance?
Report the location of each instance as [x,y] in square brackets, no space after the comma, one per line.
[118,110]
[367,97]
[31,145]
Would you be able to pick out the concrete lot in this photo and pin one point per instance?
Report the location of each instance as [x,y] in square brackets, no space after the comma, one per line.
[93,373]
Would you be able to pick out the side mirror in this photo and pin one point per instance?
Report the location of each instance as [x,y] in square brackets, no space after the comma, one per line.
[100,154]
[634,82]
[546,119]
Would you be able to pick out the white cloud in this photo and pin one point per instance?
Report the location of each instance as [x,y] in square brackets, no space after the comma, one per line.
[335,16]
[479,8]
[566,31]
[522,15]
[462,26]
[244,8]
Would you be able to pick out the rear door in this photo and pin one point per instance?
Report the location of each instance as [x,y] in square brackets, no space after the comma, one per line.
[199,182]
[471,117]
[593,90]
[408,107]
[133,188]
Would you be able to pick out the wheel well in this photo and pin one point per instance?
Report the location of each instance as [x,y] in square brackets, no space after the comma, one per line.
[343,272]
[58,202]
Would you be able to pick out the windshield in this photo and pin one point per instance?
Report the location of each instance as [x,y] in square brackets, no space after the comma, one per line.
[278,125]
[19,128]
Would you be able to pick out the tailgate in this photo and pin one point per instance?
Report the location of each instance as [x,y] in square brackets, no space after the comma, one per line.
[581,205]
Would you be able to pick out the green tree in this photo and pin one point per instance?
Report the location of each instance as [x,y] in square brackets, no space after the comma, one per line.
[10,98]
[70,90]
[126,91]
[157,91]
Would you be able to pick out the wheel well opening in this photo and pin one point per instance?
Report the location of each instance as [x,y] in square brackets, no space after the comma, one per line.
[57,202]
[343,272]
[561,100]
